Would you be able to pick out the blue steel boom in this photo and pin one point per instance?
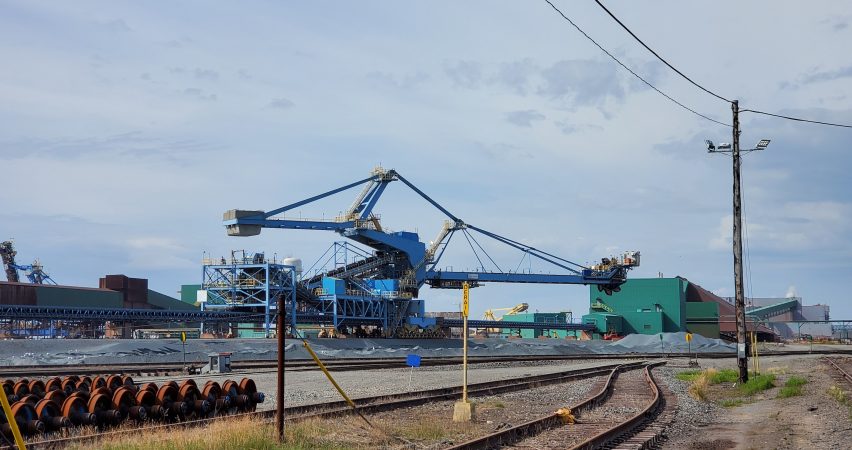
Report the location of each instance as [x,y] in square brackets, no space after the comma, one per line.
[402,263]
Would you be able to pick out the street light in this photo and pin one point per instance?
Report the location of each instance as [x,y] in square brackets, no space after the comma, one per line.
[725,147]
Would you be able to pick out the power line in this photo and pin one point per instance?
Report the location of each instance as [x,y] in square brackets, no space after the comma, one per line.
[630,70]
[797,119]
[658,56]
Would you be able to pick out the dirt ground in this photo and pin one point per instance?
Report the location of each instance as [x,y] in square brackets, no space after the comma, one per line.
[813,420]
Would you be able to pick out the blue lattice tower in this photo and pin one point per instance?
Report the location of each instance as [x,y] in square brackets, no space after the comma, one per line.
[249,283]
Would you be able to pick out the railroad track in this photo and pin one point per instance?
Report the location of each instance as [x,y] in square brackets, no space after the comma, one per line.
[842,369]
[339,365]
[636,399]
[365,405]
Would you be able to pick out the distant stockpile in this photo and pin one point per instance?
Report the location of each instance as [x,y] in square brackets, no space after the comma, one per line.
[99,351]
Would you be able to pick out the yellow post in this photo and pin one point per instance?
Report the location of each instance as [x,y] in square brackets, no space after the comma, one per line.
[13,424]
[464,410]
[754,353]
[465,312]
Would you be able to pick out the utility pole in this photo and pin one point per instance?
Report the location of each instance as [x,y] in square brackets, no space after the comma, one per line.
[279,393]
[742,357]
[739,296]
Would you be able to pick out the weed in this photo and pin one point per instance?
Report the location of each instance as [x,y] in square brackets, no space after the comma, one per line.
[688,375]
[732,402]
[757,384]
[777,370]
[724,376]
[698,388]
[226,435]
[789,391]
[838,394]
[426,430]
[496,404]
[795,381]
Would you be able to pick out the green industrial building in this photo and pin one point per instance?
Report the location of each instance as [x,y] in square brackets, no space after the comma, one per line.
[559,318]
[654,305]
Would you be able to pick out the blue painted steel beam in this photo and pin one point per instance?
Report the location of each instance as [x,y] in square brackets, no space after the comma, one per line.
[374,197]
[293,224]
[456,323]
[317,197]
[495,277]
[426,197]
[529,250]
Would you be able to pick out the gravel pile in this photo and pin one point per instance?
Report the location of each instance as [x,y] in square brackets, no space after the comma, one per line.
[111,351]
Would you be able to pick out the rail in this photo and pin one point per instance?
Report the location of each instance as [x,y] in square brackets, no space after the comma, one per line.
[367,404]
[842,372]
[535,426]
[342,364]
[626,427]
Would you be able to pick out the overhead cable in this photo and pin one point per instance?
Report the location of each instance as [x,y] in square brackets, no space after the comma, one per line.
[660,57]
[797,119]
[630,70]
[780,116]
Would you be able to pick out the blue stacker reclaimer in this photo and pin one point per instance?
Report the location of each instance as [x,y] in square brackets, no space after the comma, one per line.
[382,290]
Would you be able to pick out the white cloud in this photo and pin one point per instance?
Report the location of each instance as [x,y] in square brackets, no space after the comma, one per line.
[158,253]
[145,166]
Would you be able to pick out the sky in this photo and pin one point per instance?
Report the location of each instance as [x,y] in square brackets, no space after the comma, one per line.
[128,128]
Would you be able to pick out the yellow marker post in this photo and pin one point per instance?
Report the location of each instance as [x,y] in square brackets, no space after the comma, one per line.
[465,313]
[13,424]
[689,343]
[463,411]
[183,344]
[755,359]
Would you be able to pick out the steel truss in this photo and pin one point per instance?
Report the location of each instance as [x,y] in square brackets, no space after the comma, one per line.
[21,312]
[250,285]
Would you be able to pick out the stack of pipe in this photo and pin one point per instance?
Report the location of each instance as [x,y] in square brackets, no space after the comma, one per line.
[40,406]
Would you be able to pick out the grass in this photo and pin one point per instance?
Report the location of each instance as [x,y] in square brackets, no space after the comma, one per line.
[792,387]
[492,404]
[842,397]
[688,375]
[777,370]
[789,391]
[701,381]
[732,402]
[424,431]
[724,376]
[698,387]
[796,381]
[757,383]
[241,433]
[838,394]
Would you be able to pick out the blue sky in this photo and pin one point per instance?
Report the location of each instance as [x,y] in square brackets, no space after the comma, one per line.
[127,128]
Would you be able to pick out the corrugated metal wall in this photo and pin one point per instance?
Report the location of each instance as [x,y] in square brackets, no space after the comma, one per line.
[666,296]
[17,294]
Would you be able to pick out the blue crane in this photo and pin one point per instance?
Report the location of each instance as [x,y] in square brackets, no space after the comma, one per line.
[385,285]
